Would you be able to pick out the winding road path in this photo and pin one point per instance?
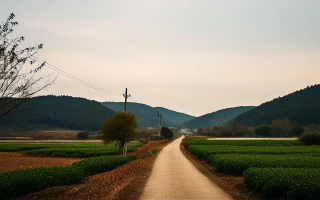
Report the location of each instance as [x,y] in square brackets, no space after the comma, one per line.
[174,177]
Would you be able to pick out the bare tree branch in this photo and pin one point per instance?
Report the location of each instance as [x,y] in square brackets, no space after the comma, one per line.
[17,85]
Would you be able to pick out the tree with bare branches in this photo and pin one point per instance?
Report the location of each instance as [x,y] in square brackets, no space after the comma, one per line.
[19,70]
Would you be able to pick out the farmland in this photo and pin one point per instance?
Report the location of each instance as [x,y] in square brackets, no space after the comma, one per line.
[80,150]
[21,182]
[273,168]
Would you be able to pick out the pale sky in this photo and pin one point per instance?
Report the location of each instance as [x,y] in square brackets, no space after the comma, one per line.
[194,57]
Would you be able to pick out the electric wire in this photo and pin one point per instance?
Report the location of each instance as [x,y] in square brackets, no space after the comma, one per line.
[65,73]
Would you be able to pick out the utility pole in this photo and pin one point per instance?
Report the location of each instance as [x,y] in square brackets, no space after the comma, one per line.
[160,122]
[126,96]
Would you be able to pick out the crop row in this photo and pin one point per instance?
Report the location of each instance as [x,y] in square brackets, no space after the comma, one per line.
[21,182]
[66,150]
[236,164]
[285,182]
[188,143]
[204,151]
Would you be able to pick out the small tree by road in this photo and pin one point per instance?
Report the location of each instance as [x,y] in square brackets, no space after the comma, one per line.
[120,128]
[263,130]
[166,133]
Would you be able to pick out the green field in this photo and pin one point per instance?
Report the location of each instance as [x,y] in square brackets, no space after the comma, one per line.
[274,168]
[81,150]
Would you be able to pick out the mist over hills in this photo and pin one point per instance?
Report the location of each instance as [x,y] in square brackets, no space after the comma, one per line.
[302,107]
[147,116]
[220,117]
[58,112]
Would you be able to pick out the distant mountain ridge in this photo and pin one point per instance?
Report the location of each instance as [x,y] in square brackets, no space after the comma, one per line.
[147,116]
[302,106]
[58,111]
[220,117]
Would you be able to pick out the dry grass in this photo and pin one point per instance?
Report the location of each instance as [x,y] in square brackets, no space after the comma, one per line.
[10,161]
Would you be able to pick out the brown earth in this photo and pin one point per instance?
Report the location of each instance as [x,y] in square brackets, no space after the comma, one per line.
[10,161]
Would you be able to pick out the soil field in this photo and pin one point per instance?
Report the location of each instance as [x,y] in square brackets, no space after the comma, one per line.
[10,161]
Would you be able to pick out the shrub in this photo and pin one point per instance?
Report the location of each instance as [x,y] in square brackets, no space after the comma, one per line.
[236,164]
[22,182]
[166,133]
[190,142]
[98,165]
[204,151]
[297,130]
[311,138]
[155,137]
[263,130]
[286,182]
[83,135]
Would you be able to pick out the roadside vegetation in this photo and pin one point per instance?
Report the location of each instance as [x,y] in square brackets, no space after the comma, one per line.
[273,168]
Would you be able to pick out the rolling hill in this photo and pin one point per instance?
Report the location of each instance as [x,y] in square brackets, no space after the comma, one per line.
[59,112]
[220,116]
[302,106]
[147,116]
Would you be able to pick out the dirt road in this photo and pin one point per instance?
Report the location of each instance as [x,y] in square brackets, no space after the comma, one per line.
[174,177]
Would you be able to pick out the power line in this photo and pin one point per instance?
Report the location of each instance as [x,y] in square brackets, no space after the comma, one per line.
[64,73]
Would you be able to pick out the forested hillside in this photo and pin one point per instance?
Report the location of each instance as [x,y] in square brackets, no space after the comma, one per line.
[58,111]
[147,116]
[174,117]
[220,117]
[302,107]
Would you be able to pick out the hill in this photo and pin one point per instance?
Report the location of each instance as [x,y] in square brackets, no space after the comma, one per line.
[174,117]
[220,116]
[58,111]
[147,116]
[302,106]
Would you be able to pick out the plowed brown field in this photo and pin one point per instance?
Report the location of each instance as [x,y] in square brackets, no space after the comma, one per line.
[10,161]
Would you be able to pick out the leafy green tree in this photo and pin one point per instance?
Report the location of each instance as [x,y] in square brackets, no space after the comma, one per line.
[263,130]
[120,128]
[166,132]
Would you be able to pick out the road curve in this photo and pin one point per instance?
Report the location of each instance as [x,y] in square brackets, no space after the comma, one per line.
[174,177]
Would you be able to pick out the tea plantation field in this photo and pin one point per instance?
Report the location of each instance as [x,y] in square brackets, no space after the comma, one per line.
[21,182]
[275,169]
[81,150]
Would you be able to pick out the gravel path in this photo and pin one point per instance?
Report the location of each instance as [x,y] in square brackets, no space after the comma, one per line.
[174,177]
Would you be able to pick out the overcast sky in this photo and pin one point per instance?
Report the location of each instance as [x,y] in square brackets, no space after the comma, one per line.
[194,57]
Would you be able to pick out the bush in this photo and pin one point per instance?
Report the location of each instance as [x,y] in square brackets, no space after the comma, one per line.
[22,182]
[92,166]
[204,151]
[155,137]
[236,164]
[166,133]
[311,138]
[83,135]
[263,130]
[297,130]
[287,182]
